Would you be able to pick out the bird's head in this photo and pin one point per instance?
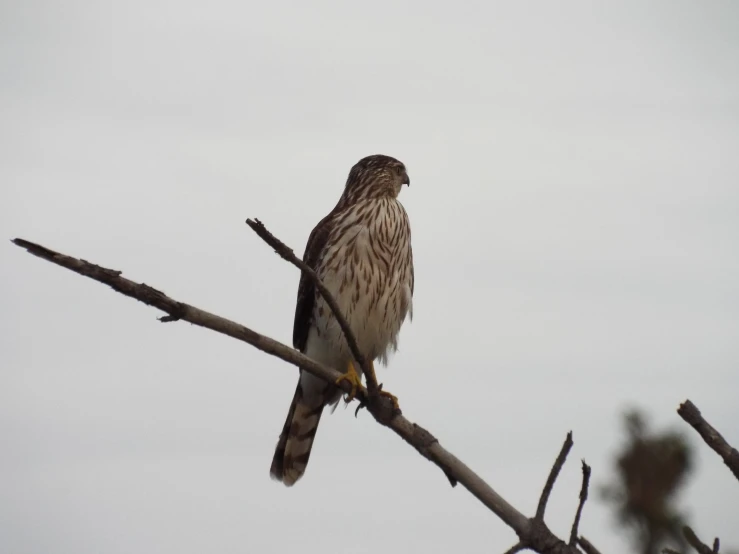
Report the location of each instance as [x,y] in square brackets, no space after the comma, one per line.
[374,177]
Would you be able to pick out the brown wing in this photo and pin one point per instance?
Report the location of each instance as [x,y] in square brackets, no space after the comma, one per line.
[306,289]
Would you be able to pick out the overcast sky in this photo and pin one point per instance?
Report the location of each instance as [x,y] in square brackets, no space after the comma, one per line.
[575,216]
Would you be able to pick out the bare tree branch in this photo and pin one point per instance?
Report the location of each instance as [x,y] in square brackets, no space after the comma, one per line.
[532,532]
[583,498]
[537,522]
[692,415]
[553,474]
[697,544]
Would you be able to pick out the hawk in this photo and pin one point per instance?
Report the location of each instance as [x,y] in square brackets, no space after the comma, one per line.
[362,252]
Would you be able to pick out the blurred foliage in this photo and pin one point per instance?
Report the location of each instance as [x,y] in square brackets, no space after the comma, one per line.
[651,468]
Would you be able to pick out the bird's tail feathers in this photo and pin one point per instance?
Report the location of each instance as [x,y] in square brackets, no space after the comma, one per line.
[296,440]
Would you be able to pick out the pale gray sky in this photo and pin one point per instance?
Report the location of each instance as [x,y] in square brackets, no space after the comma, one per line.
[575,215]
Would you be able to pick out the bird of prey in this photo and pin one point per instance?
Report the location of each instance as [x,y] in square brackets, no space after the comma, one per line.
[362,252]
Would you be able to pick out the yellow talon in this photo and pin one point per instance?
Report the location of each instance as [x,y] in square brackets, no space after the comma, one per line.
[391,397]
[354,379]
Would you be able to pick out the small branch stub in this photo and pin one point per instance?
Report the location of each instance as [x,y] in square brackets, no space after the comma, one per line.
[692,415]
[583,498]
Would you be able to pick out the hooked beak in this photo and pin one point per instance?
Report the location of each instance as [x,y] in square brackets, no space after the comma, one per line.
[406,180]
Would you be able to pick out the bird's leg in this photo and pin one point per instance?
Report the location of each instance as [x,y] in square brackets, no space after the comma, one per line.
[382,392]
[354,379]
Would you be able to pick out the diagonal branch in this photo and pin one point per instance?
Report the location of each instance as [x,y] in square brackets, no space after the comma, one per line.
[180,311]
[287,254]
[533,533]
[692,415]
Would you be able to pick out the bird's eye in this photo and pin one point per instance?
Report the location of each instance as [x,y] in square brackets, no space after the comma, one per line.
[399,170]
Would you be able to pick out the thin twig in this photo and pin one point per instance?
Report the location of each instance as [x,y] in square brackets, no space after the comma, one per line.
[698,544]
[287,254]
[583,498]
[692,415]
[553,474]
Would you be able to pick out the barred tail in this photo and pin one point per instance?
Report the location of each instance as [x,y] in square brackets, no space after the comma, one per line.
[296,440]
